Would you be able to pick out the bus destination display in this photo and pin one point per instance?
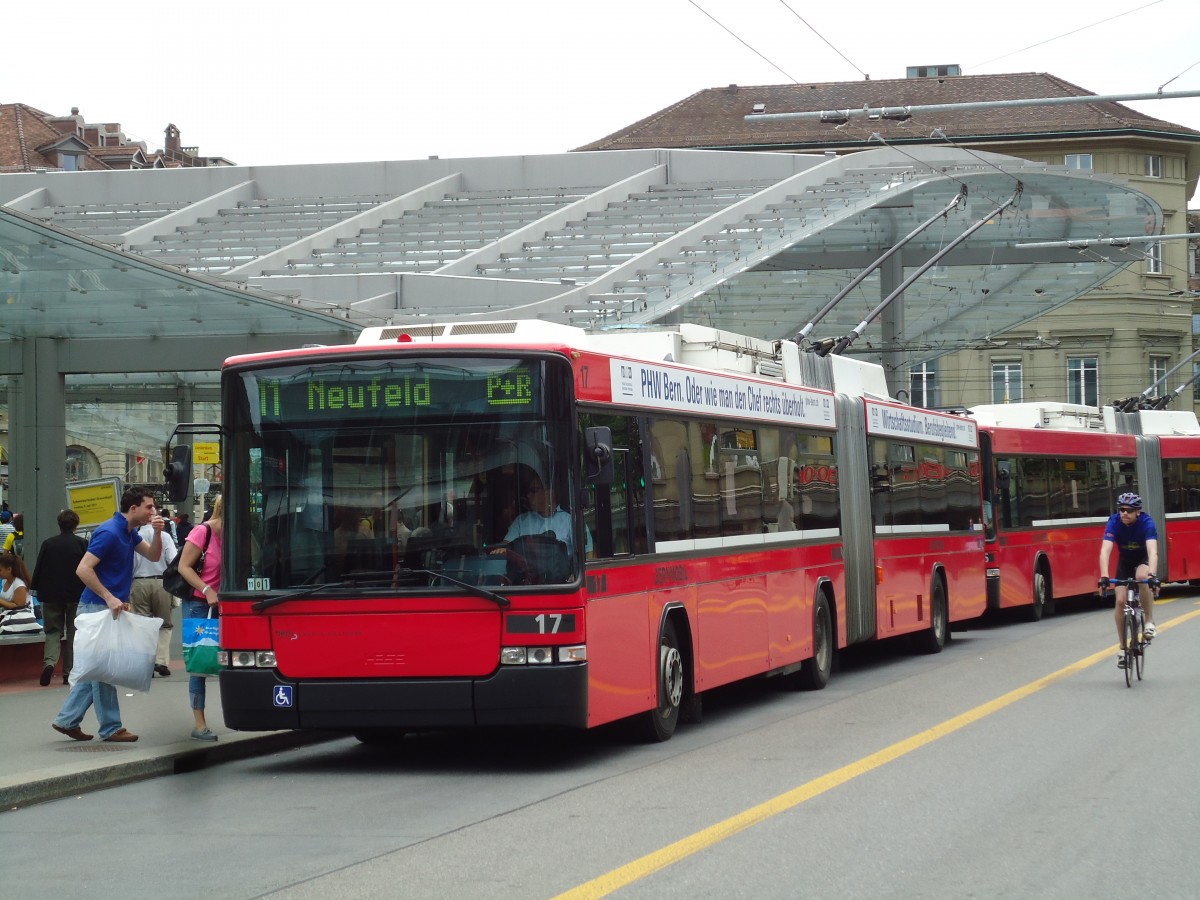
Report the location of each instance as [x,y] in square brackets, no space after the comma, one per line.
[345,392]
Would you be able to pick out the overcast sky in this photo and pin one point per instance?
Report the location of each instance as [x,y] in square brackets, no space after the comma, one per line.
[264,82]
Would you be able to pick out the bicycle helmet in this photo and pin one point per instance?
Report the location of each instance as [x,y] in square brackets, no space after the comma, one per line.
[1131,500]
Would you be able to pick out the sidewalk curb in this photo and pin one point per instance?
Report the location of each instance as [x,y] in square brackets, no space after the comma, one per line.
[175,759]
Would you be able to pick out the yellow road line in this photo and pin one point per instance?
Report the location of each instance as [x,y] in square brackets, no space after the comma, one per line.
[681,849]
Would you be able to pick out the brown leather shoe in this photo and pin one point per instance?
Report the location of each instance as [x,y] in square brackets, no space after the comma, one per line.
[76,733]
[122,737]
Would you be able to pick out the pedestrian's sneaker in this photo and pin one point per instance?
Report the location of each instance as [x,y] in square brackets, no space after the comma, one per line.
[1149,631]
[1120,660]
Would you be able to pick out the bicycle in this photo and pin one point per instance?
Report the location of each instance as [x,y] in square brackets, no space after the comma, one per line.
[1134,640]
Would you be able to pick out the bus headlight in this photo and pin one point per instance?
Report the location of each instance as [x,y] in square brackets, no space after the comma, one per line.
[247,659]
[540,656]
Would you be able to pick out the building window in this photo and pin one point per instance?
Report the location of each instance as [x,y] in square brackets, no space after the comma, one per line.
[1083,375]
[1006,382]
[68,162]
[1153,166]
[1154,263]
[922,382]
[1078,161]
[1158,371]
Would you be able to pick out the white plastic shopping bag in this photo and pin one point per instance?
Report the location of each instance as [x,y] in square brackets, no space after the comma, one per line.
[116,651]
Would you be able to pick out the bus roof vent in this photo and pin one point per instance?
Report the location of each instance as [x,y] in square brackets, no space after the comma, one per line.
[497,331]
[478,328]
[392,332]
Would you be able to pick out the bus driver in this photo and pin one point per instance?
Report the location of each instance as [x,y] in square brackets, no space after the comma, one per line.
[541,513]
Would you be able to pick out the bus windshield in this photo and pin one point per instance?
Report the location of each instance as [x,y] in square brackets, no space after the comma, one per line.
[402,473]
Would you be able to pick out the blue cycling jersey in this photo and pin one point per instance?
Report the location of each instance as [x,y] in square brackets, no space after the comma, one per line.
[1130,540]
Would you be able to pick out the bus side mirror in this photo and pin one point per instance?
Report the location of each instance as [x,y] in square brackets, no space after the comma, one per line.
[598,455]
[178,473]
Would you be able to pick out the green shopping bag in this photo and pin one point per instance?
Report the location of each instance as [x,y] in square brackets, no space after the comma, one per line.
[200,643]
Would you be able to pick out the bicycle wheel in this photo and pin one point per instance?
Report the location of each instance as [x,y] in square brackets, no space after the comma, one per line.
[1139,657]
[1128,646]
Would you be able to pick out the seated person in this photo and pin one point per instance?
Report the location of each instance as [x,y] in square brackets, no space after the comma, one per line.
[542,514]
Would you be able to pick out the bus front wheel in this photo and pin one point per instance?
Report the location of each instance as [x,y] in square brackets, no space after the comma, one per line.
[1043,599]
[659,723]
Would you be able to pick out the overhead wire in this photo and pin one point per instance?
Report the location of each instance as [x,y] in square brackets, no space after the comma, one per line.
[730,32]
[939,132]
[1184,72]
[1065,34]
[825,39]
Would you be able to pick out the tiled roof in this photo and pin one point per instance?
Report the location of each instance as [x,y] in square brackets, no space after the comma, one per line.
[714,117]
[22,129]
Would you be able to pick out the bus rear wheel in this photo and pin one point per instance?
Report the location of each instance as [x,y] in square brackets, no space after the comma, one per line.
[933,639]
[814,672]
[659,724]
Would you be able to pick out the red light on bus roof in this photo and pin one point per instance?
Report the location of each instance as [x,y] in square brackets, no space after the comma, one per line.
[404,338]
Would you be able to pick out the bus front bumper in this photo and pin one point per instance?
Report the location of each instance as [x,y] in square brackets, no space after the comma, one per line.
[263,700]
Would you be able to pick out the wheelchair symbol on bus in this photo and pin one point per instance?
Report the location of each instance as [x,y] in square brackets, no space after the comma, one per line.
[283,695]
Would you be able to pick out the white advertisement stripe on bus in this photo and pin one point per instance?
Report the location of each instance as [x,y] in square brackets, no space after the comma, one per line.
[668,389]
[920,425]
[745,540]
[926,528]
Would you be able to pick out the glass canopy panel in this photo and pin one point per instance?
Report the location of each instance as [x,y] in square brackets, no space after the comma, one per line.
[54,284]
[984,286]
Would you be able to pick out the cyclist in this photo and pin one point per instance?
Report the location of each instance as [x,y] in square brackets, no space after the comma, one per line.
[1136,540]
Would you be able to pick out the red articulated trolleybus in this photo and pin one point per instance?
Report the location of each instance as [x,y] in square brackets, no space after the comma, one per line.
[1052,472]
[522,523]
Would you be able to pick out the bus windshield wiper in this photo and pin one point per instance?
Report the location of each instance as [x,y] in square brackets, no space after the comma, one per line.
[499,599]
[304,592]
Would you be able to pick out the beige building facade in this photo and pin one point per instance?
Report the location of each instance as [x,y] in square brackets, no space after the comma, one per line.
[1109,344]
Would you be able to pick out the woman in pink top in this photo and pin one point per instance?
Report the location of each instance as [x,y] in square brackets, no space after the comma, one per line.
[205,585]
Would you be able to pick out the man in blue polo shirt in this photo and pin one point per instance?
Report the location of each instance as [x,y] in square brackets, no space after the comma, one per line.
[106,571]
[1134,535]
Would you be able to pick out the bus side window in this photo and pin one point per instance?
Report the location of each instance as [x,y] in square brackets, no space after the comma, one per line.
[672,495]
[1036,489]
[614,514]
[1006,494]
[608,516]
[881,484]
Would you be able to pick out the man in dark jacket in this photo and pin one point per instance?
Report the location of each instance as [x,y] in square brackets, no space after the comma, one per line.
[58,589]
[183,528]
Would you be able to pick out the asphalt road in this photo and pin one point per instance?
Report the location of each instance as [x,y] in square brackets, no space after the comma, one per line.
[1014,764]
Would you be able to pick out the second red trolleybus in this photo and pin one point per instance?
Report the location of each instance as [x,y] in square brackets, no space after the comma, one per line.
[520,523]
[1052,472]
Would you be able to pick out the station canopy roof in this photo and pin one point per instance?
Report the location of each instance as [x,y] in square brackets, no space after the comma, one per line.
[754,243]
